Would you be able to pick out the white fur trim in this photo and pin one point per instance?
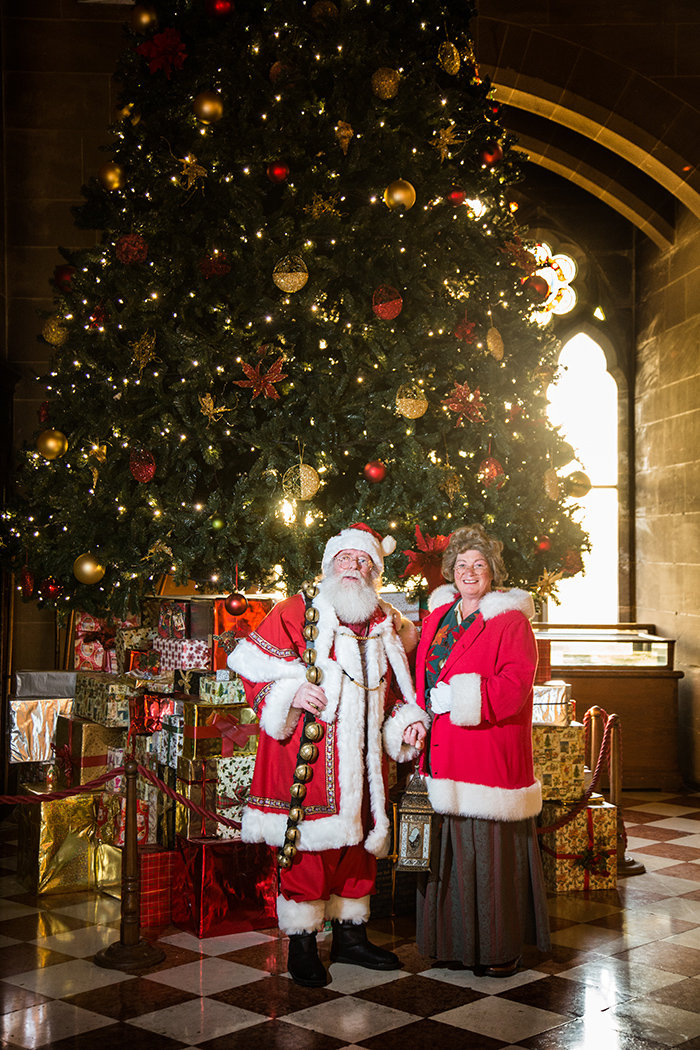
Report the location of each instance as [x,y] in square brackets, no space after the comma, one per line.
[458,798]
[394,729]
[300,916]
[388,545]
[348,909]
[445,594]
[466,699]
[277,718]
[358,540]
[496,602]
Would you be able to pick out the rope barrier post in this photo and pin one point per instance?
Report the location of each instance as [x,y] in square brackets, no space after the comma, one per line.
[625,865]
[597,724]
[130,952]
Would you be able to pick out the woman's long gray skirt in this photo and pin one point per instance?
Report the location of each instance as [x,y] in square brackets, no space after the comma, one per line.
[485,897]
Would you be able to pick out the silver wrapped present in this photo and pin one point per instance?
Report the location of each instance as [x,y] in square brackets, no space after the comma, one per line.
[552,704]
[45,683]
[32,726]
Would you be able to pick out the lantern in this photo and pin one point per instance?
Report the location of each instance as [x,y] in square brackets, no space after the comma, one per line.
[415,830]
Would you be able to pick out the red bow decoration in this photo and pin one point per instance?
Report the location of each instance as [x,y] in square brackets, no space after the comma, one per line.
[64,760]
[165,51]
[233,734]
[427,561]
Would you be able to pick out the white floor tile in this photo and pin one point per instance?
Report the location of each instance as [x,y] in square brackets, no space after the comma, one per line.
[82,943]
[689,939]
[501,1019]
[217,945]
[488,985]
[578,908]
[617,976]
[208,976]
[678,823]
[678,907]
[47,1023]
[663,808]
[349,1018]
[687,840]
[96,909]
[349,979]
[68,978]
[667,1025]
[198,1020]
[652,863]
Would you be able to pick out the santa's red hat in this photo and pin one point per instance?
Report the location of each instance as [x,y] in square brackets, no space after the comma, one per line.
[359,537]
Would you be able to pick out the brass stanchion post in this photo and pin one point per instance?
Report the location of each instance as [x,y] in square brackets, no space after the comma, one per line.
[595,735]
[625,865]
[130,952]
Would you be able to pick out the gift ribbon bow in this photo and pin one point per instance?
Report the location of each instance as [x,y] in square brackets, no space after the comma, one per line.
[64,760]
[593,861]
[233,734]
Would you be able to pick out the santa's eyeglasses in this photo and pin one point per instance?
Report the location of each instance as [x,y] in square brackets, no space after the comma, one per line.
[346,560]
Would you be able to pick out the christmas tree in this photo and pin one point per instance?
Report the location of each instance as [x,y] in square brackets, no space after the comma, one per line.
[310,305]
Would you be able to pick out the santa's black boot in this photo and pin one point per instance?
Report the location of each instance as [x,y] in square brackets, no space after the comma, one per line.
[350,945]
[303,963]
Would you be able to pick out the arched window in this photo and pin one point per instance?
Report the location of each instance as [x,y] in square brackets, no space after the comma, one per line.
[584,405]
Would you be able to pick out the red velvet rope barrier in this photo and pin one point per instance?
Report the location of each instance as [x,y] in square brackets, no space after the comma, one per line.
[571,814]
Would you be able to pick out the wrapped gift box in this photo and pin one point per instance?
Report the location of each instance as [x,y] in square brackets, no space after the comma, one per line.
[156,874]
[115,759]
[223,831]
[219,729]
[146,748]
[146,711]
[111,819]
[183,653]
[196,780]
[127,638]
[552,704]
[104,698]
[56,843]
[558,758]
[228,629]
[95,642]
[144,661]
[215,691]
[81,749]
[581,855]
[165,834]
[186,618]
[45,683]
[224,887]
[171,739]
[233,779]
[32,726]
[544,661]
[187,681]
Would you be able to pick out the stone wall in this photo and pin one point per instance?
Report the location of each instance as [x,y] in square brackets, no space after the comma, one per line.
[668,462]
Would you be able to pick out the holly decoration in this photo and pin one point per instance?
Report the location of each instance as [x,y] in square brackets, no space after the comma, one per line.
[215,265]
[262,384]
[165,52]
[465,329]
[142,465]
[466,402]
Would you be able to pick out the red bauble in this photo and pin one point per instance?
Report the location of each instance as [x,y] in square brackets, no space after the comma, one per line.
[218,8]
[277,171]
[491,153]
[375,470]
[456,196]
[131,248]
[387,302]
[142,465]
[536,287]
[43,413]
[63,277]
[235,604]
[491,473]
[27,583]
[543,544]
[50,590]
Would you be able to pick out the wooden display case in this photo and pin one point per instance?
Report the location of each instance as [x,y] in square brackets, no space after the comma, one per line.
[626,669]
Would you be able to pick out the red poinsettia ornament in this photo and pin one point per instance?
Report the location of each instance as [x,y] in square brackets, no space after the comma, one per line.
[131,248]
[466,402]
[165,51]
[427,560]
[262,384]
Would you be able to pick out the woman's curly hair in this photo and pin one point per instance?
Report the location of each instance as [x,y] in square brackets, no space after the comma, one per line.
[474,538]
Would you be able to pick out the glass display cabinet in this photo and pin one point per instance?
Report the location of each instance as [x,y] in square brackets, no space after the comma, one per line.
[627,669]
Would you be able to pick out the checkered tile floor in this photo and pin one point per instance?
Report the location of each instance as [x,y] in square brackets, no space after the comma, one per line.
[624,972]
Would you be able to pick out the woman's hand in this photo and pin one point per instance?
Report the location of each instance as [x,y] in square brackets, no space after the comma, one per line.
[310,697]
[441,698]
[414,735]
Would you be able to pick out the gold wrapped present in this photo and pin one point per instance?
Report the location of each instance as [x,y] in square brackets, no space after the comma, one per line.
[558,758]
[81,749]
[196,780]
[108,869]
[56,843]
[581,855]
[219,729]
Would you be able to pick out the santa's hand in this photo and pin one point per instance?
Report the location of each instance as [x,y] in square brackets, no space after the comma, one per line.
[414,735]
[441,698]
[310,697]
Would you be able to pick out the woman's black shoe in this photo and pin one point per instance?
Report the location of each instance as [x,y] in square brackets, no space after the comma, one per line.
[350,945]
[303,963]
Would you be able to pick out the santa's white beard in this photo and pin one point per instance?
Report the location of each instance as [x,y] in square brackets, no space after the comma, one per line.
[354,600]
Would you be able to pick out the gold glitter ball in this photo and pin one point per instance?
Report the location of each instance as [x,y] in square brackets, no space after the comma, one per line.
[411,401]
[494,342]
[385,82]
[290,274]
[300,482]
[448,58]
[54,332]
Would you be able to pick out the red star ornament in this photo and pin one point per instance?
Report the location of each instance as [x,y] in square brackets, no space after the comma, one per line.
[466,402]
[262,384]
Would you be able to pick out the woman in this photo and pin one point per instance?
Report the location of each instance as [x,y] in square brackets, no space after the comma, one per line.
[475,668]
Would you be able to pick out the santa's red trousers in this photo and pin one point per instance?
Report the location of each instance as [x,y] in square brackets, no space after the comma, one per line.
[348,872]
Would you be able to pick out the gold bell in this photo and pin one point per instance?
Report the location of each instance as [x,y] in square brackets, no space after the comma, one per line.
[309,656]
[310,632]
[298,791]
[283,861]
[309,589]
[314,675]
[289,850]
[296,814]
[314,731]
[303,773]
[311,615]
[292,834]
[309,752]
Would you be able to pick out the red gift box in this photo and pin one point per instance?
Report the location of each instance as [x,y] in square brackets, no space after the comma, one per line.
[223,886]
[146,712]
[544,665]
[228,629]
[145,660]
[95,645]
[156,871]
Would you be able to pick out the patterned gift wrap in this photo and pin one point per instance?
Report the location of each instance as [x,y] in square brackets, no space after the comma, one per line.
[145,661]
[173,619]
[166,808]
[150,794]
[196,780]
[233,779]
[581,855]
[188,681]
[231,813]
[214,691]
[544,661]
[128,638]
[228,629]
[115,758]
[156,872]
[171,740]
[111,819]
[224,887]
[219,729]
[558,757]
[56,843]
[95,642]
[81,749]
[32,726]
[183,653]
[146,747]
[104,698]
[45,684]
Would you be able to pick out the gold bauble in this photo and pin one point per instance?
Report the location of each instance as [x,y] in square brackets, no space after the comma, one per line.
[303,773]
[51,444]
[298,791]
[411,401]
[143,18]
[290,274]
[208,107]
[399,194]
[300,482]
[87,569]
[296,814]
[111,175]
[577,484]
[309,752]
[385,82]
[494,342]
[314,731]
[448,58]
[54,332]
